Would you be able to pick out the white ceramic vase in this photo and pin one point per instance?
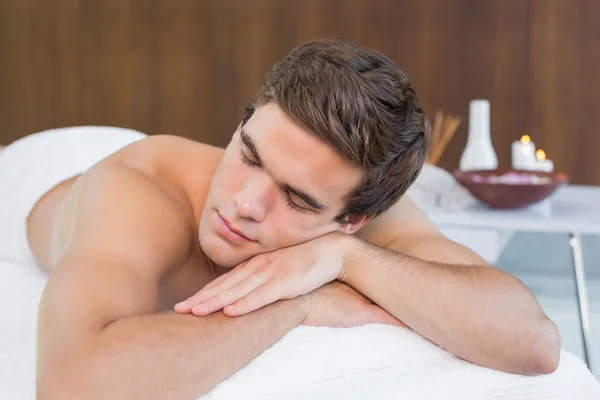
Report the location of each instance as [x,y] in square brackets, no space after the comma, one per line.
[479,152]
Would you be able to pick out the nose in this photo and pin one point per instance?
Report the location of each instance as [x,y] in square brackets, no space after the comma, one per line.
[254,200]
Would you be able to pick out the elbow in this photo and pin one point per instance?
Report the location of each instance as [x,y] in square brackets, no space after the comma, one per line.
[546,350]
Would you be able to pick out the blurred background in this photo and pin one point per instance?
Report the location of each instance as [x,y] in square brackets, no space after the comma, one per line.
[187,67]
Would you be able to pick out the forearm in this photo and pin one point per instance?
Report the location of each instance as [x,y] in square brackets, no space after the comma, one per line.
[170,356]
[479,313]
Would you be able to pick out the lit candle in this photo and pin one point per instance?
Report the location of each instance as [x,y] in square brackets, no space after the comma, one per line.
[542,163]
[523,154]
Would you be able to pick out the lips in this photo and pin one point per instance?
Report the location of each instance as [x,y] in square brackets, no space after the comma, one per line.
[232,234]
[233,229]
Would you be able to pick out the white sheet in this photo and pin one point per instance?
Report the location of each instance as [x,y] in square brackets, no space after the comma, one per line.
[369,362]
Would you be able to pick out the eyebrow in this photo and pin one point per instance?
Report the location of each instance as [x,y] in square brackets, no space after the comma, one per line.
[248,143]
[308,199]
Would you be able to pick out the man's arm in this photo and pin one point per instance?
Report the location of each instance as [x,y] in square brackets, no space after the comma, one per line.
[449,294]
[99,334]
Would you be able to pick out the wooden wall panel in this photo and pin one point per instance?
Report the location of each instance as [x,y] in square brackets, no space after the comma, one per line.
[456,51]
[565,51]
[187,67]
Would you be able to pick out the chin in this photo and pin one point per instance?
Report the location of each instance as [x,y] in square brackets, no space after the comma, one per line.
[219,251]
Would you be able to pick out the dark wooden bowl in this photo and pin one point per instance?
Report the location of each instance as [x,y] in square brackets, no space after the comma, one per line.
[509,195]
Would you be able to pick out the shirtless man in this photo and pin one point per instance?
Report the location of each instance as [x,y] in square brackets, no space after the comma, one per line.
[173,263]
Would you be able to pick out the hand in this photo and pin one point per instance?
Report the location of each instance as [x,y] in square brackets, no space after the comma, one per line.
[282,274]
[339,305]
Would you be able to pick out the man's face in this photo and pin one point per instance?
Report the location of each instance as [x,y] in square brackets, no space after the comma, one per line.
[277,185]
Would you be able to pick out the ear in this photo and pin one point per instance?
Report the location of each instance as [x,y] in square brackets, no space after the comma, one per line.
[352,223]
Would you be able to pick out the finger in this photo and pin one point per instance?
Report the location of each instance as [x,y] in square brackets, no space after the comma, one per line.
[222,283]
[231,295]
[182,308]
[264,295]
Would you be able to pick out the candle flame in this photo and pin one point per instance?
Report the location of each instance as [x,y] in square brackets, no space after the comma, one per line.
[525,139]
[540,155]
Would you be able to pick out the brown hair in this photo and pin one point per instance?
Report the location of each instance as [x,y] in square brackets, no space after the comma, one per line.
[363,105]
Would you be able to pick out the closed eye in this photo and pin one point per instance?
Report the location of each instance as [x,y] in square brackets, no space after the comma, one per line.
[291,204]
[248,161]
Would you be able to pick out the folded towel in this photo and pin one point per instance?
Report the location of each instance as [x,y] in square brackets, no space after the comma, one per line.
[436,189]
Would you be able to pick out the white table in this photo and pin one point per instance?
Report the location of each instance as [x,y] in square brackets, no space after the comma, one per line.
[574,210]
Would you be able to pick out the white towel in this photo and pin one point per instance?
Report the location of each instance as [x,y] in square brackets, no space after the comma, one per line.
[385,362]
[20,291]
[435,189]
[368,362]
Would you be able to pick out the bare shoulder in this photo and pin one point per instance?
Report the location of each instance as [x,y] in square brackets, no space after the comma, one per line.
[404,220]
[119,211]
[138,201]
[156,148]
[175,160]
[407,229]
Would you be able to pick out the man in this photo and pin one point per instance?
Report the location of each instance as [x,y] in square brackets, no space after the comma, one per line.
[173,263]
